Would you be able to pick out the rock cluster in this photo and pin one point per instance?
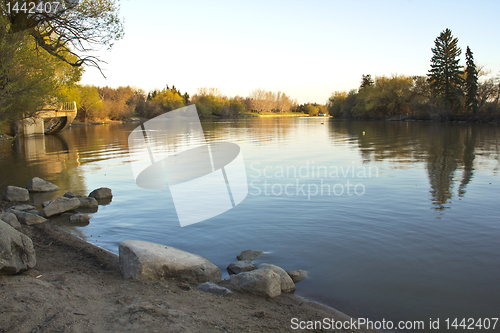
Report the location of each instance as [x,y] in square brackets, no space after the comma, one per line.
[149,261]
[17,253]
[69,202]
[265,280]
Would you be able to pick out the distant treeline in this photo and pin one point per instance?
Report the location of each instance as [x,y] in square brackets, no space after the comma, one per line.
[449,91]
[400,95]
[103,103]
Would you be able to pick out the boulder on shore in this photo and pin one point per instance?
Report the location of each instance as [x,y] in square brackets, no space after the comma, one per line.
[240,266]
[287,284]
[262,282]
[149,261]
[101,193]
[72,195]
[11,219]
[213,288]
[17,253]
[88,202]
[27,218]
[14,193]
[297,275]
[39,185]
[59,205]
[249,254]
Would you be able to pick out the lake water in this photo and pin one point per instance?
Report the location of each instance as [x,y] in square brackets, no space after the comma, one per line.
[394,220]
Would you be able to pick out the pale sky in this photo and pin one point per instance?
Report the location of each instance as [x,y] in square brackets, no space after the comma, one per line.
[306,49]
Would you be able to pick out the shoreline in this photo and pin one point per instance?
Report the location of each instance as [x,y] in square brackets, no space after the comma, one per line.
[77,284]
[451,119]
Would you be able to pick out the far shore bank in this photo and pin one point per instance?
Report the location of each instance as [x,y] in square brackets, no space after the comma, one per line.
[449,119]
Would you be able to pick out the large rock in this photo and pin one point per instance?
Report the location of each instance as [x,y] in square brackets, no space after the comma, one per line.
[14,193]
[88,202]
[262,282]
[17,253]
[27,218]
[101,193]
[297,275]
[79,219]
[249,254]
[39,185]
[213,288]
[72,195]
[60,205]
[287,284]
[240,266]
[11,219]
[24,208]
[149,261]
[38,198]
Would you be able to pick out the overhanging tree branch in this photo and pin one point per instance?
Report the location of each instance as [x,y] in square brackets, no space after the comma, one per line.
[75,28]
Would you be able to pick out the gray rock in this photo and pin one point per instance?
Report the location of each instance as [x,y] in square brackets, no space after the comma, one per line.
[262,282]
[287,284]
[249,254]
[79,218]
[72,195]
[213,288]
[37,198]
[149,261]
[14,193]
[24,208]
[60,205]
[297,275]
[88,202]
[33,211]
[240,266]
[39,185]
[101,193]
[27,218]
[17,253]
[11,219]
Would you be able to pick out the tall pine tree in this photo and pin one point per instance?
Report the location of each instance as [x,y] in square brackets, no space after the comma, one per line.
[445,73]
[470,82]
[366,81]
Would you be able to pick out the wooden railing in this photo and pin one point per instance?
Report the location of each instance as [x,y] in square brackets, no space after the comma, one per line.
[68,106]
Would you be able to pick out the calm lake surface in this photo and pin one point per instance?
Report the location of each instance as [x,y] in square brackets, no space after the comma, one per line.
[394,220]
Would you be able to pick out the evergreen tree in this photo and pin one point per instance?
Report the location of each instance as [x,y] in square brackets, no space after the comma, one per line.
[186,98]
[445,73]
[366,81]
[470,82]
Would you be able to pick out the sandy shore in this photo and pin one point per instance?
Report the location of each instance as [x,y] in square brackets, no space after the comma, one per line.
[77,287]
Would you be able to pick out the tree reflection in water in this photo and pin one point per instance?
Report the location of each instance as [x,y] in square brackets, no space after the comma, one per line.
[448,149]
